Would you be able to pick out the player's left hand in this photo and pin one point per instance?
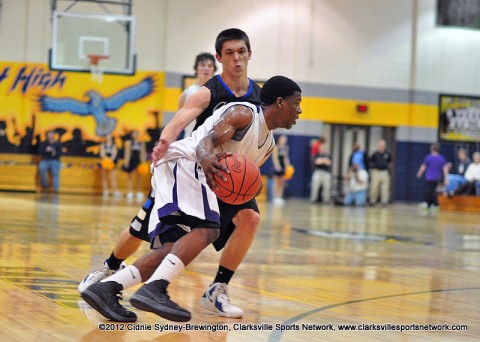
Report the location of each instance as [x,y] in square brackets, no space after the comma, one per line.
[211,168]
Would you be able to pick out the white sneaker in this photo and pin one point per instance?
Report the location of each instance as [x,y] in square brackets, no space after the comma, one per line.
[98,274]
[216,299]
[423,206]
[130,196]
[278,201]
[140,196]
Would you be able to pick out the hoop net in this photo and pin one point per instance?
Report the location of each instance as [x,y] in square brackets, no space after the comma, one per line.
[95,69]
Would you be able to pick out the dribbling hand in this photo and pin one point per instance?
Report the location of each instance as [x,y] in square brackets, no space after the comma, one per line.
[211,167]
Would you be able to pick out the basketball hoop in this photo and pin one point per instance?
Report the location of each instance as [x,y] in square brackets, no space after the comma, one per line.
[96,71]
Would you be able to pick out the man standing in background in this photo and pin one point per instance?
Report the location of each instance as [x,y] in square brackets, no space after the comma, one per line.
[50,150]
[380,163]
[322,176]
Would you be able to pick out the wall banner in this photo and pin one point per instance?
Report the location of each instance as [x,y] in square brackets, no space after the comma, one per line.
[459,118]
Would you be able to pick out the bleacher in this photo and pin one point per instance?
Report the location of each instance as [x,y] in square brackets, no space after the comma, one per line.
[78,175]
[459,203]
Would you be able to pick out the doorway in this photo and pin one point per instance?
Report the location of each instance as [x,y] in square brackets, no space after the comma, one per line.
[340,139]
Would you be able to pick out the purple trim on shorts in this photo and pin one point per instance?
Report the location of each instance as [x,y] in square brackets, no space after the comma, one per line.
[209,213]
[160,229]
[169,208]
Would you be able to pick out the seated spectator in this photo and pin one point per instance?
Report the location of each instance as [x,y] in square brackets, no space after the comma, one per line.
[357,185]
[456,176]
[472,176]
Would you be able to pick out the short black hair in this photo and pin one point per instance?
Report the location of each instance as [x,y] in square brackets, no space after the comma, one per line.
[204,56]
[277,86]
[230,34]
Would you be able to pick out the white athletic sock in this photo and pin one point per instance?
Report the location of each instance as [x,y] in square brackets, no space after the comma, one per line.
[170,267]
[128,277]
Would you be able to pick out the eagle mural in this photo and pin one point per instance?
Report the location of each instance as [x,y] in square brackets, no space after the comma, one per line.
[98,106]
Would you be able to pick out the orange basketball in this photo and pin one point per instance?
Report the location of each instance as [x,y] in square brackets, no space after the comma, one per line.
[243,182]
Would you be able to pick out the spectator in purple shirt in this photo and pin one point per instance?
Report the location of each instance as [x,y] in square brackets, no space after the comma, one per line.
[435,173]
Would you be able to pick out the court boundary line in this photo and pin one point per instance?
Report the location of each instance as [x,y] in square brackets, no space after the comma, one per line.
[277,335]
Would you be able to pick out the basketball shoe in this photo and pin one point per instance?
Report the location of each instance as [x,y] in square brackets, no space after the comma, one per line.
[153,297]
[98,274]
[217,300]
[104,297]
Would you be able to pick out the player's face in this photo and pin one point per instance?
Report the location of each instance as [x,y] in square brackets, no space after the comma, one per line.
[292,110]
[205,70]
[235,57]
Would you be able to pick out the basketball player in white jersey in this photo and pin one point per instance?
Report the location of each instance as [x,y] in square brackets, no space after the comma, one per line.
[183,174]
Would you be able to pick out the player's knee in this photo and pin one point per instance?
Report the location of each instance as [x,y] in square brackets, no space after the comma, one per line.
[213,234]
[247,219]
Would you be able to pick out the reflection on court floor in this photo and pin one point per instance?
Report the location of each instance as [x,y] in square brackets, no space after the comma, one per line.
[310,268]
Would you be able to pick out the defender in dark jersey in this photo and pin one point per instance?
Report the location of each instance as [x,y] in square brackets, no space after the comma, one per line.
[238,223]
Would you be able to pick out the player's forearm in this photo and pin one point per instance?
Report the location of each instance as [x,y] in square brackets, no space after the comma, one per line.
[171,131]
[204,149]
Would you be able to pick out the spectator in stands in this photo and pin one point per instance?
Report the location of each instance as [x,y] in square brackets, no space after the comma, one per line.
[358,157]
[456,176]
[50,150]
[435,173]
[380,164]
[322,176]
[472,177]
[356,186]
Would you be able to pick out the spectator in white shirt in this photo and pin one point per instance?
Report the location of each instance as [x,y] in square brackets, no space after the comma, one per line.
[357,185]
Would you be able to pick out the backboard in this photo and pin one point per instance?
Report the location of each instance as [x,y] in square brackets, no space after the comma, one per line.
[75,36]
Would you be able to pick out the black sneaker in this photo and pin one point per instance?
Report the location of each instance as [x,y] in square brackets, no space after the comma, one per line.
[104,297]
[153,297]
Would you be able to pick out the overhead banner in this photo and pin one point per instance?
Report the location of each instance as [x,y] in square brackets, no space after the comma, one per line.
[459,118]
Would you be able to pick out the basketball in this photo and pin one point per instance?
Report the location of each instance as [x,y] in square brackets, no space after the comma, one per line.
[243,182]
[107,164]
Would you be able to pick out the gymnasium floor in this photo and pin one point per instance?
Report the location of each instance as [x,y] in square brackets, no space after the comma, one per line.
[311,267]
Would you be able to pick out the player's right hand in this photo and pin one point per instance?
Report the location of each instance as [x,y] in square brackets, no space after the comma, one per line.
[211,168]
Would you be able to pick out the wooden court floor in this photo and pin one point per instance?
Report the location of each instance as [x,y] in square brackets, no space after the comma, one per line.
[312,271]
